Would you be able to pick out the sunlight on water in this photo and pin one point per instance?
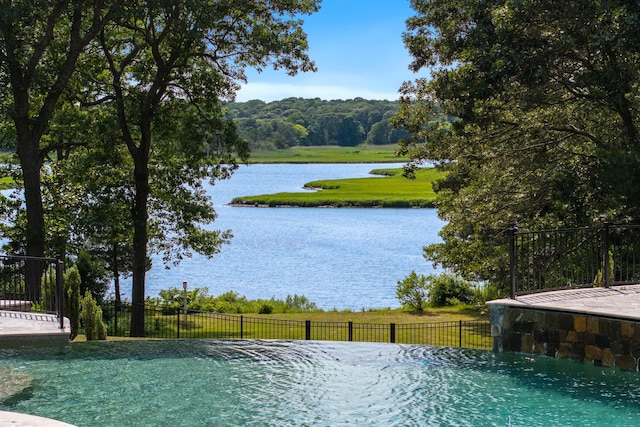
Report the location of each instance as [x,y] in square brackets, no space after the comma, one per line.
[271,383]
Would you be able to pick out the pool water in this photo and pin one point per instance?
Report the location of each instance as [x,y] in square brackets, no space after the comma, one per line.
[282,383]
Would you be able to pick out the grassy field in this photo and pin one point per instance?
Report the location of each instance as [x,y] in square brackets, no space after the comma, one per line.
[449,326]
[360,154]
[391,191]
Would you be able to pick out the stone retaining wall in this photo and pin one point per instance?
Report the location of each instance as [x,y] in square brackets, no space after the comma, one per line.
[603,341]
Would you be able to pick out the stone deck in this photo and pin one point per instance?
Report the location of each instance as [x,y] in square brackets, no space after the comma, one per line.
[621,302]
[595,325]
[19,328]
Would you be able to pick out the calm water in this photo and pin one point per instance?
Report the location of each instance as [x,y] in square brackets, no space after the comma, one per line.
[338,258]
[256,383]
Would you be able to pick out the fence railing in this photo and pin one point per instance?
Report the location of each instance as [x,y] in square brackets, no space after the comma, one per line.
[32,284]
[574,258]
[167,323]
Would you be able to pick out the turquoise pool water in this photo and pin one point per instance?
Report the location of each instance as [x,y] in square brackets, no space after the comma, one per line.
[265,383]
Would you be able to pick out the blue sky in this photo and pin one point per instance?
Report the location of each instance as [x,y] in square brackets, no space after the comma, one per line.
[358,50]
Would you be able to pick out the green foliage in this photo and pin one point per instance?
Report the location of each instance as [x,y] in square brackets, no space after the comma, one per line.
[412,291]
[536,120]
[299,303]
[72,299]
[93,276]
[487,292]
[447,289]
[198,299]
[91,318]
[265,308]
[599,280]
[416,292]
[295,122]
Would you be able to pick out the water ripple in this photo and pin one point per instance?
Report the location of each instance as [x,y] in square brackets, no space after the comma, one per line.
[282,383]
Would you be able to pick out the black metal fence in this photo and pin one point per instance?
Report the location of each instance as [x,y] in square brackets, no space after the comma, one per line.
[574,258]
[32,284]
[167,323]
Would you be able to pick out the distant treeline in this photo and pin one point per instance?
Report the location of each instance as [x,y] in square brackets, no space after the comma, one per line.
[307,122]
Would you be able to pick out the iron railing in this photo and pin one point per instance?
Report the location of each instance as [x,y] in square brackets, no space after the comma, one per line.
[574,258]
[32,284]
[171,323]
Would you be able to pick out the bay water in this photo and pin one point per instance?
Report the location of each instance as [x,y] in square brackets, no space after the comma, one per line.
[339,258]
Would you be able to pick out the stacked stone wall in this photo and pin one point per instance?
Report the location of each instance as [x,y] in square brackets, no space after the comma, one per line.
[603,341]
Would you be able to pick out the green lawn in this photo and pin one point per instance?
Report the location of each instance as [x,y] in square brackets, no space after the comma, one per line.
[391,191]
[436,326]
[360,154]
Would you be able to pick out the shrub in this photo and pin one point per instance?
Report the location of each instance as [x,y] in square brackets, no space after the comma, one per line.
[91,316]
[265,308]
[446,289]
[72,299]
[299,303]
[412,291]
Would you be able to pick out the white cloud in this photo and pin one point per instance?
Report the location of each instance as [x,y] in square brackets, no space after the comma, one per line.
[276,91]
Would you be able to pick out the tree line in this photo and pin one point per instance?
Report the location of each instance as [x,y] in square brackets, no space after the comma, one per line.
[315,122]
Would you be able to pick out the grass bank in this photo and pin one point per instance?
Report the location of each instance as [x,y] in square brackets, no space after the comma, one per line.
[392,190]
[333,154]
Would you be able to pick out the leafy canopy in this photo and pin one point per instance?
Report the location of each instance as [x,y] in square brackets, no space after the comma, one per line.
[544,101]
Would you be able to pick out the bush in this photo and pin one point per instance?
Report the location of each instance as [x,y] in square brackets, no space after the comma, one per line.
[299,303]
[71,299]
[91,317]
[412,291]
[265,308]
[446,289]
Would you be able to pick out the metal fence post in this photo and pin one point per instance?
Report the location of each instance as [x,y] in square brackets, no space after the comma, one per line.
[512,260]
[392,332]
[178,322]
[307,330]
[460,332]
[60,291]
[241,327]
[605,255]
[350,330]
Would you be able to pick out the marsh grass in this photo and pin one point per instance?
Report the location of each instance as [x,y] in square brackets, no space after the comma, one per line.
[6,183]
[329,154]
[390,190]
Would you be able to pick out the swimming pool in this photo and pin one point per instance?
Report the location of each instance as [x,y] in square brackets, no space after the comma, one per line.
[282,383]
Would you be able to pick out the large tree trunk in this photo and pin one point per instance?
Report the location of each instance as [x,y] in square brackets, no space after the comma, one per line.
[35,235]
[140,239]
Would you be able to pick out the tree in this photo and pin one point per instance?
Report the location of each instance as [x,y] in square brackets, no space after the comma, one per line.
[102,226]
[40,44]
[91,318]
[413,291]
[169,63]
[544,101]
[72,299]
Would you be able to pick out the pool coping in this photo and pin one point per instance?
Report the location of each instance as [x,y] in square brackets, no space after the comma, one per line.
[620,302]
[16,419]
[26,328]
